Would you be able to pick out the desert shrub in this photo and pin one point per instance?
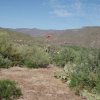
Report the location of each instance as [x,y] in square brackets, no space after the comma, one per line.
[9,53]
[5,62]
[22,55]
[87,72]
[65,55]
[35,57]
[38,59]
[83,72]
[53,51]
[9,90]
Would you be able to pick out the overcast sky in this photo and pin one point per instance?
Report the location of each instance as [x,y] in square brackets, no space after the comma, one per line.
[49,14]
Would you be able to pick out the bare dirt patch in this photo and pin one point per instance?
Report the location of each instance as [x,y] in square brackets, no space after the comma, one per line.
[39,84]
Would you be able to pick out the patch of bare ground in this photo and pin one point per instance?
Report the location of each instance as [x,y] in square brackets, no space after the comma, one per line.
[39,84]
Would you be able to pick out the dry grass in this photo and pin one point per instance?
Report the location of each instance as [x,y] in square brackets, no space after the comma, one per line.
[39,84]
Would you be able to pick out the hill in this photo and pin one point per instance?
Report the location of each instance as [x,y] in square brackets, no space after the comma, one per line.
[86,36]
[20,38]
[81,65]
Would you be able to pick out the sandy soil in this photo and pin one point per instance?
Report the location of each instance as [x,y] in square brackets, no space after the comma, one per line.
[39,84]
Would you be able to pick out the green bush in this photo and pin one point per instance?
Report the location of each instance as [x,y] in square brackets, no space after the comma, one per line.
[8,52]
[8,90]
[81,69]
[22,55]
[88,71]
[65,55]
[5,62]
[34,57]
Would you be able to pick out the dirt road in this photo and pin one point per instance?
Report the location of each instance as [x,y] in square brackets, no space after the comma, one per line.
[39,84]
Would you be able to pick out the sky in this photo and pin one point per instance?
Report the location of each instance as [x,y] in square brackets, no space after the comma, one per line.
[49,14]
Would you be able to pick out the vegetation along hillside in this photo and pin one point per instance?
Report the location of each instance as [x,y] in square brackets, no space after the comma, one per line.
[78,65]
[86,36]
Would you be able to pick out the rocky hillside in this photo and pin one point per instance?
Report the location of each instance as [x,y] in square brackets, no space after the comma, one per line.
[86,36]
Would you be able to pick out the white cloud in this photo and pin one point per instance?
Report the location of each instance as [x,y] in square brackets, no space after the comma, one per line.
[72,8]
[65,10]
[60,13]
[58,9]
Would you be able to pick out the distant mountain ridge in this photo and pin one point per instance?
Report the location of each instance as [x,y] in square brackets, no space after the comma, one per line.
[35,31]
[45,31]
[86,36]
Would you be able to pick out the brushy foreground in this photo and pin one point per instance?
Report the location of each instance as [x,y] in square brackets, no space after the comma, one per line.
[81,69]
[13,54]
[81,66]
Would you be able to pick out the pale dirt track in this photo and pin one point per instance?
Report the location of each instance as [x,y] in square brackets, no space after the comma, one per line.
[39,84]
